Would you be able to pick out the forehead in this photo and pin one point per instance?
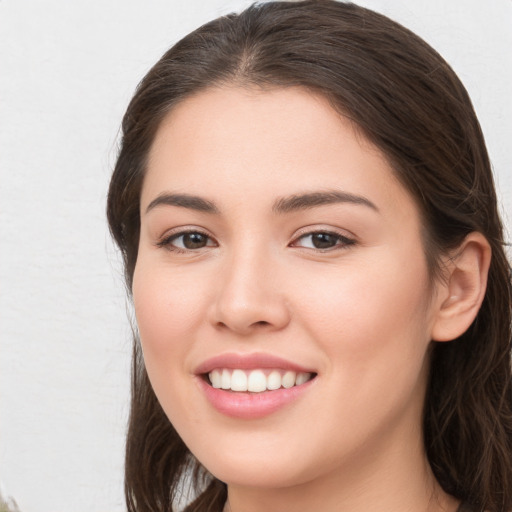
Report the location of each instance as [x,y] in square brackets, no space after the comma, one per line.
[253,117]
[234,142]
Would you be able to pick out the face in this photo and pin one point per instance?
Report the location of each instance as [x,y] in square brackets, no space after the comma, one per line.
[281,289]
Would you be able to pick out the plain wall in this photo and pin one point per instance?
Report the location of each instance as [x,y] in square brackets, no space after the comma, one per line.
[67,71]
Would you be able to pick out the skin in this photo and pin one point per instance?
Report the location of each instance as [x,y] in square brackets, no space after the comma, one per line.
[361,314]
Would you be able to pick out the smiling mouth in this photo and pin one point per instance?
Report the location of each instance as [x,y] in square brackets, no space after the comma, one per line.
[257,380]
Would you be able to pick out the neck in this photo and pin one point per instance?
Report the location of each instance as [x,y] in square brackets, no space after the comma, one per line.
[395,477]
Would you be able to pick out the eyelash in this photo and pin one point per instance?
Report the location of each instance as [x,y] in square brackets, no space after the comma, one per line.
[167,241]
[342,242]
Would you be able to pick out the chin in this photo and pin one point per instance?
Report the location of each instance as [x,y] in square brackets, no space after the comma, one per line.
[261,467]
[248,474]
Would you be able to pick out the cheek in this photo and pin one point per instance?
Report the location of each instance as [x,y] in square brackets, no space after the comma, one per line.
[372,327]
[167,311]
[372,316]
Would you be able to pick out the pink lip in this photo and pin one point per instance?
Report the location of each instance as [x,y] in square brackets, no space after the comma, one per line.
[248,362]
[246,405]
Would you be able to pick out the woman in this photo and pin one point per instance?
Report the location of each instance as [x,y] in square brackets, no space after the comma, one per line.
[308,220]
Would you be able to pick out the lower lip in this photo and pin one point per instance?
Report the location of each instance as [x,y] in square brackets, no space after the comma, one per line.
[247,405]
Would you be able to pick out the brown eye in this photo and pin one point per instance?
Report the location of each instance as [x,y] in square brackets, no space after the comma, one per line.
[193,240]
[323,240]
[186,241]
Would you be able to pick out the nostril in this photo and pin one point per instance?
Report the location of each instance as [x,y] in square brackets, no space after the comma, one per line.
[255,326]
[261,323]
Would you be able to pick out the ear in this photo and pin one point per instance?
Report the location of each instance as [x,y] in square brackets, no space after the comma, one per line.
[461,293]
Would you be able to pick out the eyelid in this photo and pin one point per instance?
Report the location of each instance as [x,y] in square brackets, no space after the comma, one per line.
[346,238]
[322,228]
[165,241]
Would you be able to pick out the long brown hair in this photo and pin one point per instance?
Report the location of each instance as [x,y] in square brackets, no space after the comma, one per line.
[409,103]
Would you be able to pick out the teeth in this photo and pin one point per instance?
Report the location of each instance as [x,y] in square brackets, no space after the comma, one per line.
[302,378]
[216,379]
[238,381]
[225,379]
[274,380]
[289,380]
[256,381]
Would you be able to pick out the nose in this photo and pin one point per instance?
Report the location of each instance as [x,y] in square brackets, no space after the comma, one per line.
[249,297]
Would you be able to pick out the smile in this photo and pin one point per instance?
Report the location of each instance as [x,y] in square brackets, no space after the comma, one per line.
[252,386]
[256,380]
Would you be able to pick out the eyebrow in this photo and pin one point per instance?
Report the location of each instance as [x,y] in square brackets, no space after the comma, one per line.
[321,198]
[282,205]
[184,201]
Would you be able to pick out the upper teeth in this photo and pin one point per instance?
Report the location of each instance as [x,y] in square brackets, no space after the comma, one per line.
[256,381]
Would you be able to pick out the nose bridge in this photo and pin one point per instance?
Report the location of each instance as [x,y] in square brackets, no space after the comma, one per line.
[247,296]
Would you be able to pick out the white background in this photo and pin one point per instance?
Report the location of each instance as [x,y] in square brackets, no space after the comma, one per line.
[67,71]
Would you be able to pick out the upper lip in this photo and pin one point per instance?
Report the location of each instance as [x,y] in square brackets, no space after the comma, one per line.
[249,362]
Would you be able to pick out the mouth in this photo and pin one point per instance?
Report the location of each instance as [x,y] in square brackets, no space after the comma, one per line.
[253,386]
[256,380]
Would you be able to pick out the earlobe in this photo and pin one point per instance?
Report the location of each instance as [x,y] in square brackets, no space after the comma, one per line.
[462,292]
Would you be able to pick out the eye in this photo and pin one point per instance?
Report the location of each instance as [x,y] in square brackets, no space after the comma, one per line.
[323,240]
[186,241]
